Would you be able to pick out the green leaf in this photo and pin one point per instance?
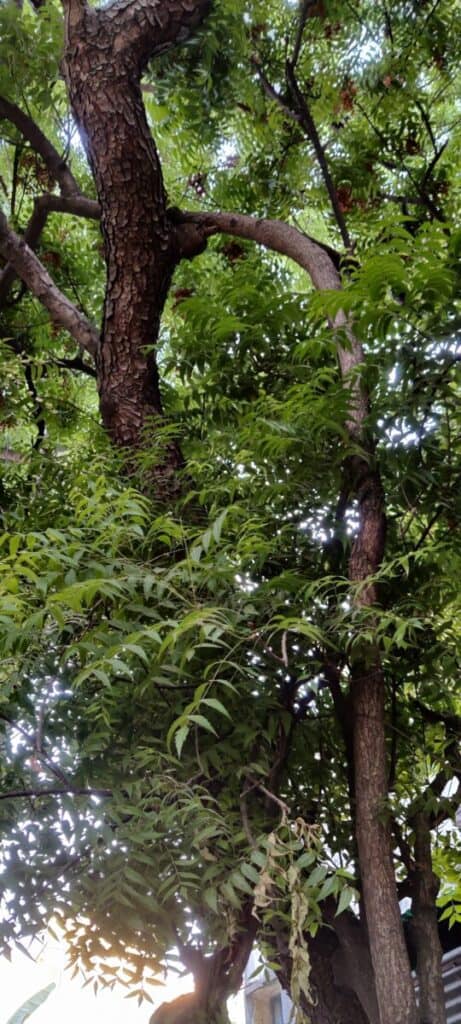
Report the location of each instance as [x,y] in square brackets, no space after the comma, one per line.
[32,1004]
[203,722]
[180,738]
[210,896]
[212,702]
[317,875]
[345,899]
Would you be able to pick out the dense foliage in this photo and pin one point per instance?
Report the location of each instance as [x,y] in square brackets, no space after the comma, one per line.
[175,723]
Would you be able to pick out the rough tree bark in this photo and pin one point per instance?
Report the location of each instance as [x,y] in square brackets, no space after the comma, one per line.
[105,54]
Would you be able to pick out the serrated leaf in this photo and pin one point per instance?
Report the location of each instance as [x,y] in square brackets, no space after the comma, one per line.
[211,899]
[181,737]
[203,722]
[345,899]
[212,702]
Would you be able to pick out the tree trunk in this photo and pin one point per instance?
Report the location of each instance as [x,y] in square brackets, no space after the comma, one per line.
[191,1009]
[424,928]
[341,976]
[138,243]
[105,53]
[396,997]
[394,987]
[216,977]
[351,960]
[335,1000]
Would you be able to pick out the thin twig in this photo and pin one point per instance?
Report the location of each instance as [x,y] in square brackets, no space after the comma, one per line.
[16,794]
[308,124]
[272,93]
[300,30]
[39,755]
[271,796]
[76,364]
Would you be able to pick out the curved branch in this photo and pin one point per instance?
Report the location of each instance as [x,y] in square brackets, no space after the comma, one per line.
[70,201]
[319,261]
[17,794]
[141,29]
[34,135]
[77,205]
[310,128]
[28,267]
[31,236]
[374,839]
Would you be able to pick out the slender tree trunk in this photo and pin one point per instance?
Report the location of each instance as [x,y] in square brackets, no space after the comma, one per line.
[424,928]
[396,997]
[394,987]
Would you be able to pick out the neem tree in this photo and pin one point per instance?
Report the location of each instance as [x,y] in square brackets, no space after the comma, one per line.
[285,611]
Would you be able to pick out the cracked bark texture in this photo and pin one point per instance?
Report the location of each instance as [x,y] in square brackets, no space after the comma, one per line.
[106,51]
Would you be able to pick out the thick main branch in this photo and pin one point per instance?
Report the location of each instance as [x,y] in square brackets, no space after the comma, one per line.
[141,29]
[106,50]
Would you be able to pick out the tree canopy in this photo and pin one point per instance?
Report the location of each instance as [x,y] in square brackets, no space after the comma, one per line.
[229,593]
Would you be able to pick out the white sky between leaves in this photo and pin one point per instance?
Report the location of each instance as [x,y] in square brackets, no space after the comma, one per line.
[70,1003]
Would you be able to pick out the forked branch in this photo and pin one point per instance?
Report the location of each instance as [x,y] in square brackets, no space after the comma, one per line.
[77,205]
[54,163]
[70,201]
[29,268]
